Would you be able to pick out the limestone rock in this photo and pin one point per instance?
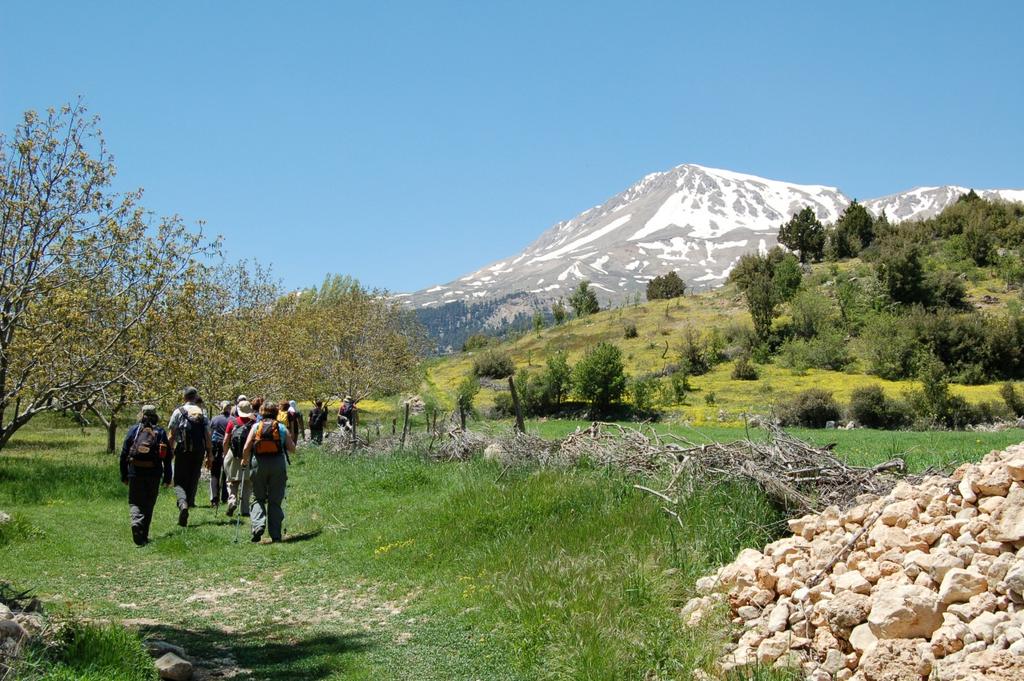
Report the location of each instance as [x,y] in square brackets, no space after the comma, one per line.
[959,586]
[895,660]
[10,629]
[173,668]
[846,611]
[906,611]
[158,648]
[1008,521]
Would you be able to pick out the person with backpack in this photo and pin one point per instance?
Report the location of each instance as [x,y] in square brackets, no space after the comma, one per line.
[347,413]
[266,450]
[296,424]
[218,428]
[239,482]
[145,461]
[317,422]
[190,441]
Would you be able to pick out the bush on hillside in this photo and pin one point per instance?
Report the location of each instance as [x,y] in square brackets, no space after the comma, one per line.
[600,378]
[642,392]
[629,331]
[872,408]
[812,408]
[829,350]
[743,370]
[1012,399]
[665,286]
[493,364]
[478,341]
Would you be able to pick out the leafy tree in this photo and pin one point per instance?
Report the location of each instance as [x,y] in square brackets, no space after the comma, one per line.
[805,235]
[493,364]
[811,312]
[600,378]
[538,321]
[557,377]
[853,232]
[641,392]
[363,341]
[583,300]
[558,311]
[900,270]
[766,281]
[665,286]
[465,395]
[84,273]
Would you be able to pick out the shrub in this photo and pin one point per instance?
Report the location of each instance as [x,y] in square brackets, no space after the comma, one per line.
[698,354]
[583,300]
[680,382]
[503,407]
[1012,399]
[600,378]
[665,286]
[827,351]
[478,341]
[888,345]
[812,408]
[493,364]
[466,393]
[811,312]
[641,391]
[871,408]
[630,330]
[743,370]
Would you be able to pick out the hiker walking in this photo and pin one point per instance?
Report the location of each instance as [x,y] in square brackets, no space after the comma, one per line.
[266,450]
[239,482]
[296,424]
[317,421]
[347,413]
[145,460]
[190,441]
[218,431]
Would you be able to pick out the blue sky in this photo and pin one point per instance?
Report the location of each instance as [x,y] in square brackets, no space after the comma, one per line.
[408,143]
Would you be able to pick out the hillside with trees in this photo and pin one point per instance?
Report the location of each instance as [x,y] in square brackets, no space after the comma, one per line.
[919,323]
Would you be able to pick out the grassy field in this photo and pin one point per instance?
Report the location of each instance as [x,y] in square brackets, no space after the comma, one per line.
[398,568]
[392,568]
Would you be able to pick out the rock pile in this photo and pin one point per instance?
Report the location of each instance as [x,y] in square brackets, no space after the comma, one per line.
[924,583]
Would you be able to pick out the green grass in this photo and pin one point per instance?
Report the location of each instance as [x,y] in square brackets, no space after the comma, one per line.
[394,568]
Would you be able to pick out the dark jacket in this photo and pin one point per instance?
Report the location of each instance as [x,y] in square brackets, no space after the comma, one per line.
[129,471]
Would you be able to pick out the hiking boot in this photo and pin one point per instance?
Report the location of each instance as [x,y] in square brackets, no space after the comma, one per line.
[256,536]
[139,537]
[231,510]
[183,517]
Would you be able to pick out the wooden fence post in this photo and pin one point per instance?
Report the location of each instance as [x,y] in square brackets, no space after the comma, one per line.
[520,426]
[405,425]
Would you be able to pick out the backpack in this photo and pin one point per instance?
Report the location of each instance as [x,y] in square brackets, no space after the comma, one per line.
[192,429]
[317,419]
[239,434]
[146,446]
[268,440]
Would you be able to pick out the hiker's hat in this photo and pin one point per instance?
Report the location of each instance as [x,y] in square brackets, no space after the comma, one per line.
[244,409]
[241,398]
[191,393]
[148,410]
[348,398]
[224,404]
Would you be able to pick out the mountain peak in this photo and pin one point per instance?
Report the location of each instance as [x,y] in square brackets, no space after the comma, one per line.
[693,219]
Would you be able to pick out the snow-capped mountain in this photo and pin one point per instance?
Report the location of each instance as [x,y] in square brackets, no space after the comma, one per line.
[697,221]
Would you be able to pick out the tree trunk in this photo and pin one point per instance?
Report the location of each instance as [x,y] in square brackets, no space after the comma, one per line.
[112,436]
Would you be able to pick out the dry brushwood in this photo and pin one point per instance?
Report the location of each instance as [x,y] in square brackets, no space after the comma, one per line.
[797,474]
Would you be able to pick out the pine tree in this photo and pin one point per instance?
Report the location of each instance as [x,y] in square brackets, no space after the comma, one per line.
[583,300]
[805,235]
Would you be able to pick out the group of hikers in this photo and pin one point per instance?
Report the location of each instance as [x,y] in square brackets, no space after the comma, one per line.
[246,447]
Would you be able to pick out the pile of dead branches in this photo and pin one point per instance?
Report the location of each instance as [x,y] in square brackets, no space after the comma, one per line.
[798,475]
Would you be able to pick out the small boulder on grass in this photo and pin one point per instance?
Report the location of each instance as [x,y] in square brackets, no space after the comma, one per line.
[173,668]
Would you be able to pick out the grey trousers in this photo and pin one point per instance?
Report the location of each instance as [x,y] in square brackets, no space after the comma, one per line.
[142,493]
[269,480]
[239,483]
[187,469]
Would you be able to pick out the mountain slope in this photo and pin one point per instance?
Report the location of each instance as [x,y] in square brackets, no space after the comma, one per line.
[694,220]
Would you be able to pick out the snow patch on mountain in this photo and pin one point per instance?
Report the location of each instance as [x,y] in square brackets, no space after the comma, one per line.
[695,220]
